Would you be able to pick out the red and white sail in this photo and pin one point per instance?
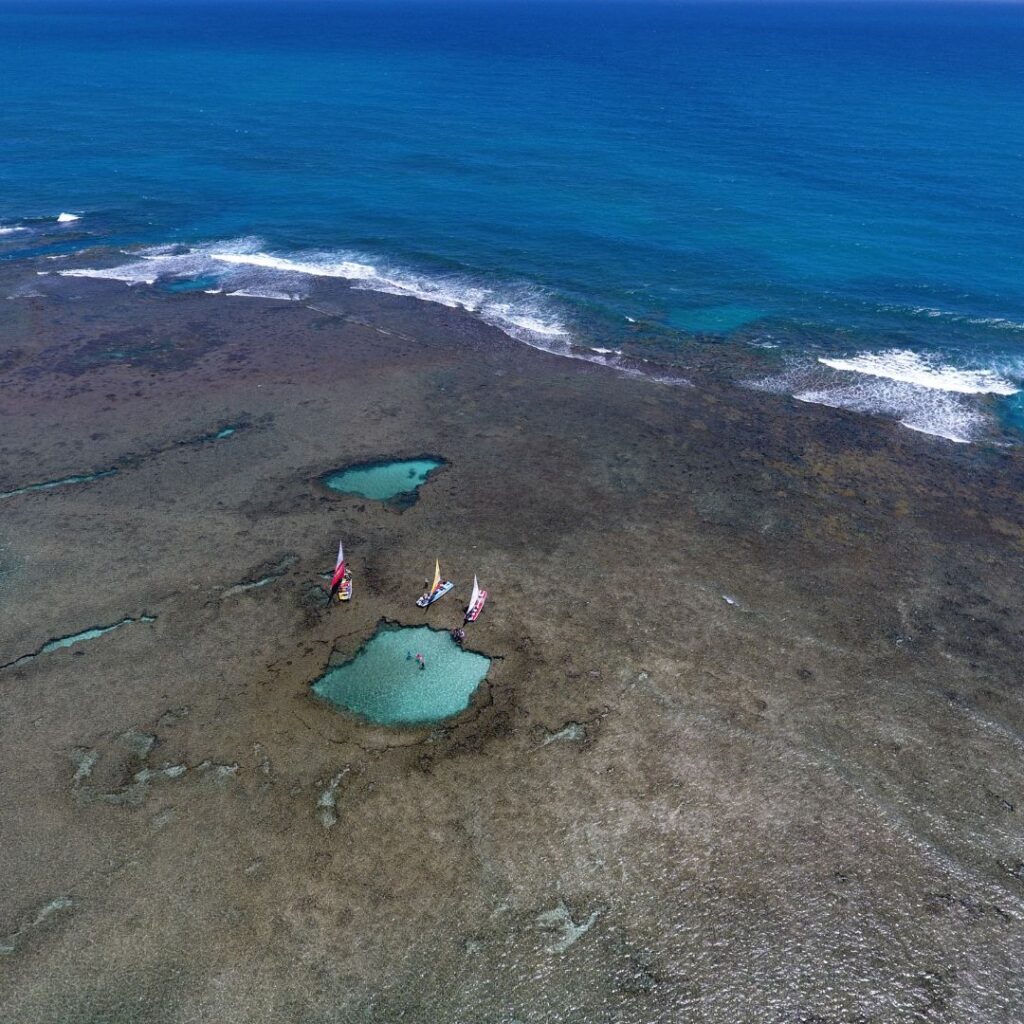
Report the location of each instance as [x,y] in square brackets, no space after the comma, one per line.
[339,568]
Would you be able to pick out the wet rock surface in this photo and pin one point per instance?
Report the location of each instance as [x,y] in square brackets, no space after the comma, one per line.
[749,748]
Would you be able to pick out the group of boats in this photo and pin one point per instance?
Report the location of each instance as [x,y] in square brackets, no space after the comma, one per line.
[341,588]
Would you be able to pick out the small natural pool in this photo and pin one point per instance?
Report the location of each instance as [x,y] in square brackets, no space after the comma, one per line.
[385,683]
[395,481]
[178,285]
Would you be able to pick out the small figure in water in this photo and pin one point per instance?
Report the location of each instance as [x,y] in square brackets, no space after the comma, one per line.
[422,661]
[458,635]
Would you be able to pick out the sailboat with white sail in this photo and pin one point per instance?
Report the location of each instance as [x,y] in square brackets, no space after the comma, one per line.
[476,602]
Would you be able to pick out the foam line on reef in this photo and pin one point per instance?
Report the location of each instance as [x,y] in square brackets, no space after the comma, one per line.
[909,367]
[243,267]
[921,392]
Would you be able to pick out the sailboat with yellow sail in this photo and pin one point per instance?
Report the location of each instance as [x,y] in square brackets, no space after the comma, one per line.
[437,589]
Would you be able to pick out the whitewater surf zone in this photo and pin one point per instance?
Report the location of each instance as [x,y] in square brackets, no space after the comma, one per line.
[928,393]
[242,267]
[908,367]
[925,393]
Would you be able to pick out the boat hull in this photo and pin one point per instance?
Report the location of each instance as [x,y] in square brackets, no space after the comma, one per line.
[345,590]
[428,599]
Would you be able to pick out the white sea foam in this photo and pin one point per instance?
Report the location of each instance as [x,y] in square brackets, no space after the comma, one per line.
[129,273]
[148,266]
[938,413]
[920,393]
[528,322]
[320,267]
[12,229]
[998,322]
[262,293]
[68,218]
[1001,323]
[523,316]
[243,267]
[912,368]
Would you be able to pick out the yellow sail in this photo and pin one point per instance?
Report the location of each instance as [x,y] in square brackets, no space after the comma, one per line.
[437,575]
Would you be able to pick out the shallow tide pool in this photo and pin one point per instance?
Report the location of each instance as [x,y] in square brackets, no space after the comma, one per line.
[384,481]
[385,683]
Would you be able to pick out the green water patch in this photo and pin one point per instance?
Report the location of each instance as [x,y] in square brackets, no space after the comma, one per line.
[386,683]
[394,481]
[61,642]
[203,439]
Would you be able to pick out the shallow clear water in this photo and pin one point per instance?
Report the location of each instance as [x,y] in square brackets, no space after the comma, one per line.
[89,634]
[384,681]
[62,482]
[383,481]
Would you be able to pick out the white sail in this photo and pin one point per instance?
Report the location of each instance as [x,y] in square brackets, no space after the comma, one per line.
[474,596]
[341,554]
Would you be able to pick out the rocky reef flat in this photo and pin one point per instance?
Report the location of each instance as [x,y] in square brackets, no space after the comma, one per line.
[749,748]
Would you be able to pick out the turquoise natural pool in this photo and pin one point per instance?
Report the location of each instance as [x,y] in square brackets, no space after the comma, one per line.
[384,481]
[179,285]
[385,684]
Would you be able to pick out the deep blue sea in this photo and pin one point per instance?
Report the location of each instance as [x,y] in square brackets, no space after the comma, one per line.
[840,182]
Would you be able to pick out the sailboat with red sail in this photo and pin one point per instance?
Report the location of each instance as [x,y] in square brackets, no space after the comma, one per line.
[341,581]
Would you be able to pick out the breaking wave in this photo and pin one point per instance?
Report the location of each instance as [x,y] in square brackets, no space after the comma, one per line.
[911,368]
[921,393]
[242,267]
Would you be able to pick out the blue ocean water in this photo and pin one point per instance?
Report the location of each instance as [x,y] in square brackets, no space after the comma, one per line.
[835,181]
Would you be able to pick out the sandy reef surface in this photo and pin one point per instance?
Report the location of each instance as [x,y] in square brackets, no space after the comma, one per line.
[750,749]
